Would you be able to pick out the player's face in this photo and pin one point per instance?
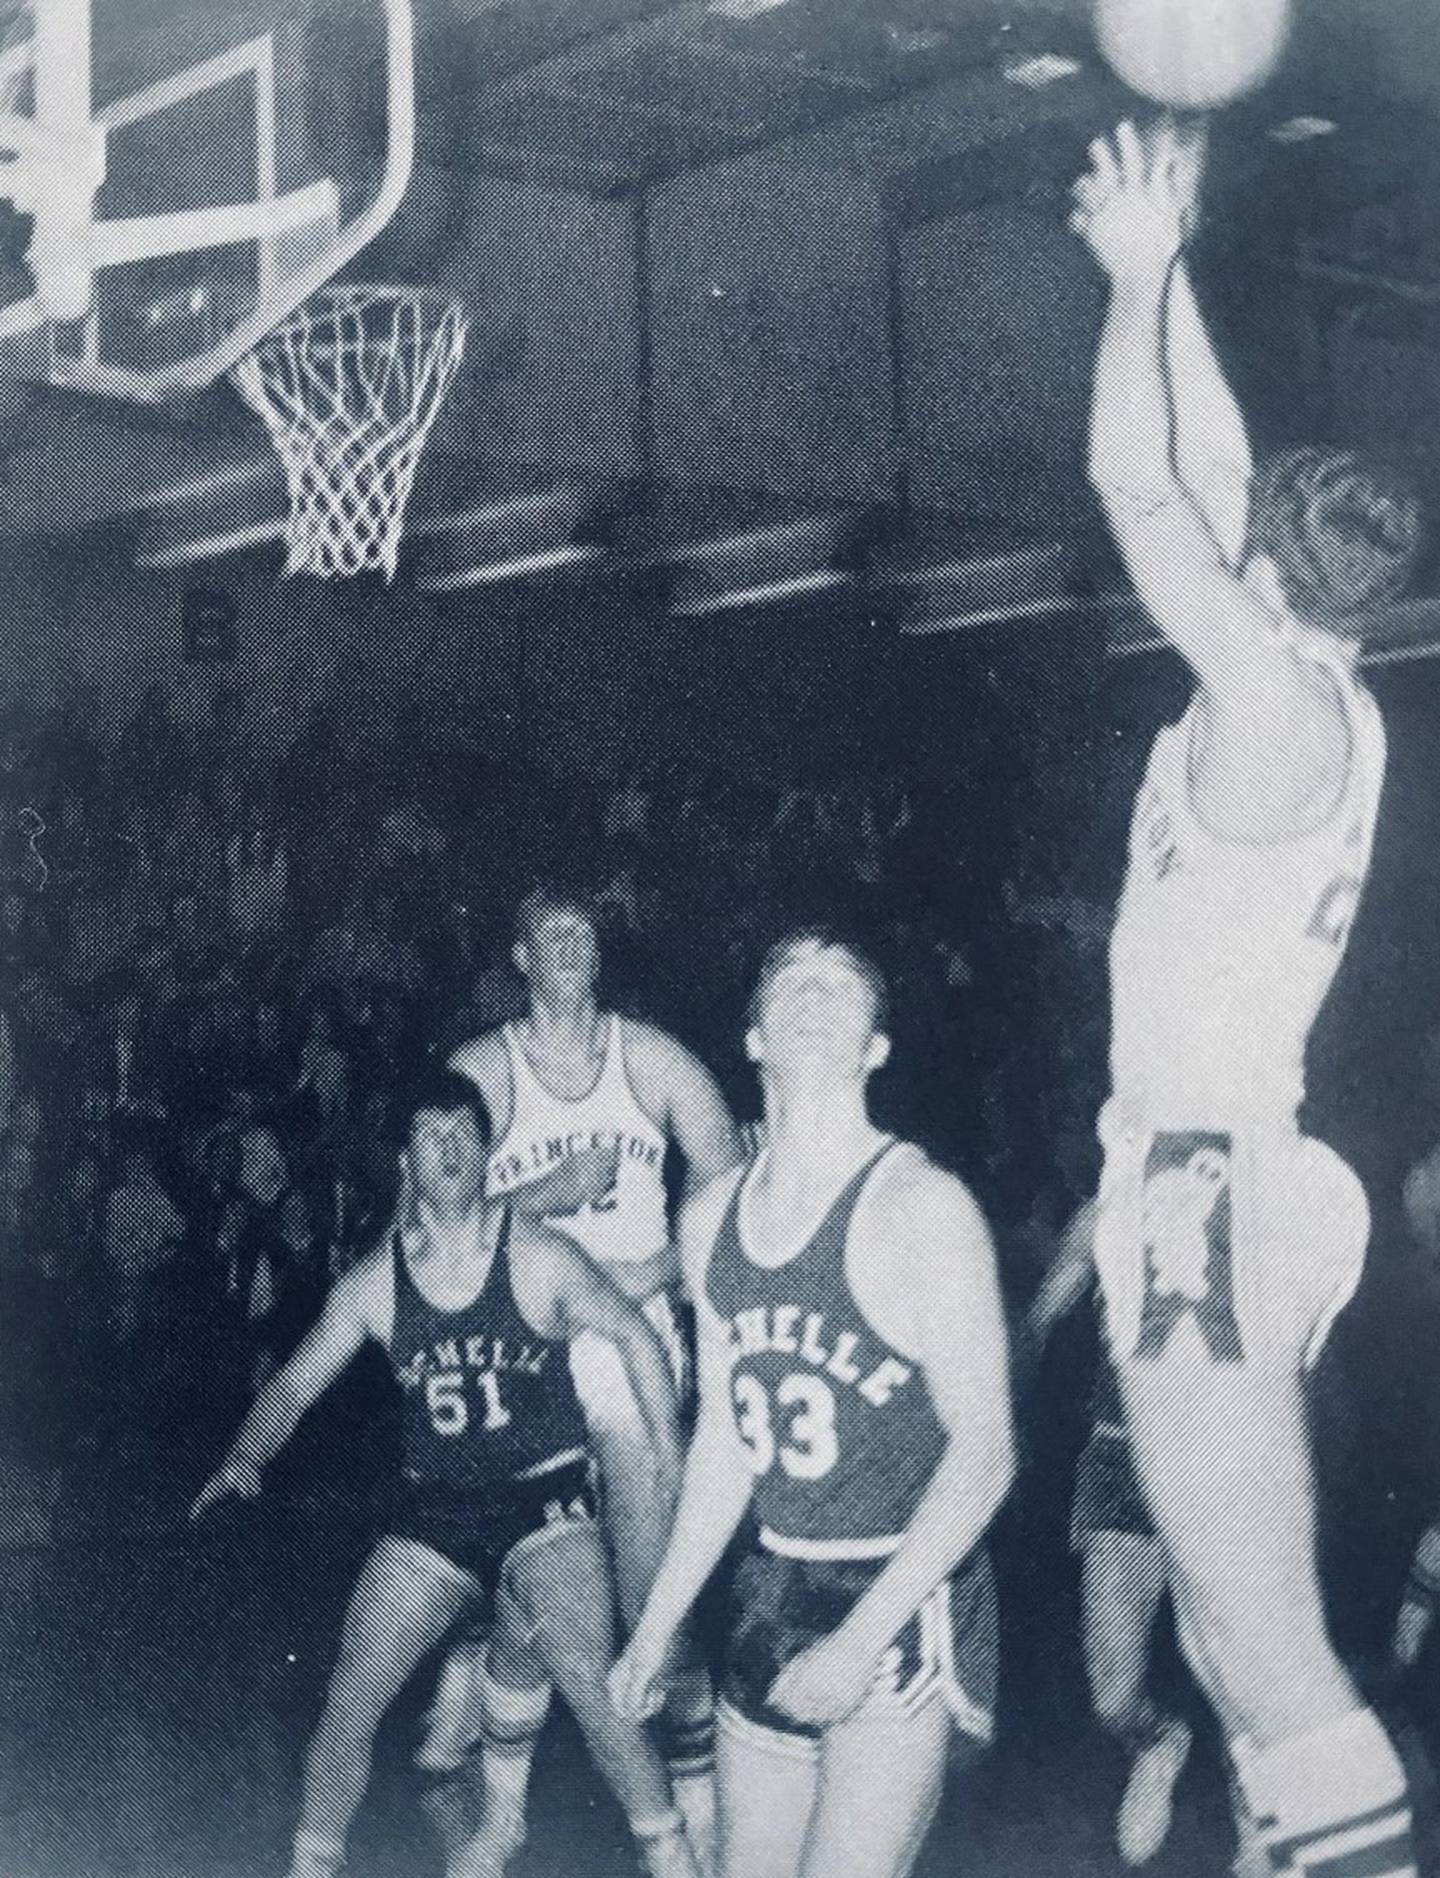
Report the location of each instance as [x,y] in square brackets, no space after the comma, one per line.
[818,1008]
[560,955]
[447,1157]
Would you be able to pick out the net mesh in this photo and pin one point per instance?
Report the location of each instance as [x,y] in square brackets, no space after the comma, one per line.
[349,387]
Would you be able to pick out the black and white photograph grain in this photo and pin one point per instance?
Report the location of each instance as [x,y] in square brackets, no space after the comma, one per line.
[719,938]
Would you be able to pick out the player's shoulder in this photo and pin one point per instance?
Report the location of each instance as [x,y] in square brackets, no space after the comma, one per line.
[916,1190]
[481,1056]
[366,1292]
[649,1050]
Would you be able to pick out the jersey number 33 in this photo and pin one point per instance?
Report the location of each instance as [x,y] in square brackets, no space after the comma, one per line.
[793,1425]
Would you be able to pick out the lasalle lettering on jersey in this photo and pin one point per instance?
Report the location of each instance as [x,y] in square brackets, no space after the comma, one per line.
[789,1330]
[488,1355]
[516,1167]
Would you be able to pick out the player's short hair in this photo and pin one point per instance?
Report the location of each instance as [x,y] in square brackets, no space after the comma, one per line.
[553,896]
[822,936]
[1344,533]
[444,1092]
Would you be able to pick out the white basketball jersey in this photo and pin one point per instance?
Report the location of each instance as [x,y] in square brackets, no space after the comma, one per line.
[1224,951]
[629,1223]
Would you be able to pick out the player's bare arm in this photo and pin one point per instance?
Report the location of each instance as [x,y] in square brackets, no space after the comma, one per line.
[578,1180]
[353,1312]
[1280,721]
[925,1271]
[683,1097]
[562,1293]
[718,1481]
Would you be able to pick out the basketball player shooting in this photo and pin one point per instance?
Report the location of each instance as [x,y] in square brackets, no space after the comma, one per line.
[854,1394]
[1228,1241]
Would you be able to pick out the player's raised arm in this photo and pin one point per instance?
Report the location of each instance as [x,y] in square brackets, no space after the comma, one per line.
[718,1480]
[1132,209]
[346,1321]
[1213,459]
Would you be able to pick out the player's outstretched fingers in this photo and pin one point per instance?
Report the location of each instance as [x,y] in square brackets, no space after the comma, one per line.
[1104,167]
[1131,166]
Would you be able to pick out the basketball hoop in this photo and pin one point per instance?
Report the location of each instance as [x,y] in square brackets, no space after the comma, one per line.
[349,386]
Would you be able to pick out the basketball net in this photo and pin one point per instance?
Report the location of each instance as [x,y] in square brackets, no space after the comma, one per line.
[349,386]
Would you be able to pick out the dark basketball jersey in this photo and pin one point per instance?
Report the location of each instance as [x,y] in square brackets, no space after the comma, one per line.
[484,1400]
[839,1425]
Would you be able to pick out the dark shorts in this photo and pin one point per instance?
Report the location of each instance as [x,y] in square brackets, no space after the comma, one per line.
[1107,1496]
[476,1531]
[781,1605]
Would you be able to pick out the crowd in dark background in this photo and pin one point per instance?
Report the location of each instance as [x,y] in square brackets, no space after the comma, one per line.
[214,969]
[218,962]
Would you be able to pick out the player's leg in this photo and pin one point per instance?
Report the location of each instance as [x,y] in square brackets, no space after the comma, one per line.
[556,1609]
[404,1601]
[453,1720]
[638,1513]
[1122,1585]
[880,1777]
[766,1783]
[481,1812]
[1420,1601]
[1315,1767]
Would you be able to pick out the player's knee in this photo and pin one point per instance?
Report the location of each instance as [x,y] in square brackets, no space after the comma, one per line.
[559,1598]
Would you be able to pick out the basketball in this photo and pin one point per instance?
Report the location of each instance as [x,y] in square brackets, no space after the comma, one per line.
[1192,54]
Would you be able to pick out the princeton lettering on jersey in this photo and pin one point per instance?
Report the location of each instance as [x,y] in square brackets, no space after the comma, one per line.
[517,1164]
[787,1330]
[492,1355]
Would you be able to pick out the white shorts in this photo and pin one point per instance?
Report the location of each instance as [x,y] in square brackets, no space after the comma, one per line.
[600,1377]
[1234,1246]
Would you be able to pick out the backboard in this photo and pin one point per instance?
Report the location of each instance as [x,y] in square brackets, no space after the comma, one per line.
[224,201]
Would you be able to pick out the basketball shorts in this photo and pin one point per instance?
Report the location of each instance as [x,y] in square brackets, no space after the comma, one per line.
[1107,1495]
[476,1531]
[601,1380]
[781,1605]
[1226,1247]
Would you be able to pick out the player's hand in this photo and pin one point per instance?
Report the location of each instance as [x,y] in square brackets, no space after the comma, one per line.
[590,1174]
[242,1478]
[827,1682]
[637,1681]
[1135,206]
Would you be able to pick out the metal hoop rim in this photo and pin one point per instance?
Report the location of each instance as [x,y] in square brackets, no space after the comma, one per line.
[328,302]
